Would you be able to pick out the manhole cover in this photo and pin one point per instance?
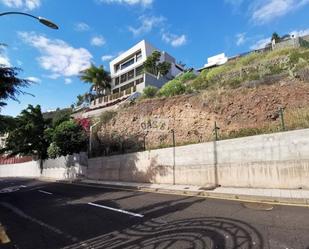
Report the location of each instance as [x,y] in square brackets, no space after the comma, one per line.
[258,206]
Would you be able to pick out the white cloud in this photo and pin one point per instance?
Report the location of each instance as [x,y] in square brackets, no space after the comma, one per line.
[4,60]
[260,43]
[22,4]
[57,56]
[144,3]
[98,41]
[264,11]
[81,27]
[240,39]
[67,81]
[174,40]
[107,57]
[34,79]
[300,32]
[147,24]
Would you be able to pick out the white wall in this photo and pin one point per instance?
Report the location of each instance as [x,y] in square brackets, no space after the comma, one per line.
[278,160]
[69,167]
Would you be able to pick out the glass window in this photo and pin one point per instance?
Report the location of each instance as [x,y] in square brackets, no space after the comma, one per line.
[131,74]
[116,81]
[139,81]
[123,78]
[138,56]
[127,63]
[116,90]
[127,86]
[139,70]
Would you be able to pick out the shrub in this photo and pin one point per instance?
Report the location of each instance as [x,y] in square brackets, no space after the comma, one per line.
[187,76]
[150,92]
[107,116]
[172,88]
[53,151]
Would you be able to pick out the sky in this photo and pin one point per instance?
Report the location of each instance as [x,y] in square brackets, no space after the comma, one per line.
[96,31]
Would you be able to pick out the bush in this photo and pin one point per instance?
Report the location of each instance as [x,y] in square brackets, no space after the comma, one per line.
[107,116]
[185,77]
[69,137]
[53,151]
[150,92]
[172,88]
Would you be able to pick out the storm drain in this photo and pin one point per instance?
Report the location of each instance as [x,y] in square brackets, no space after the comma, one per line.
[258,206]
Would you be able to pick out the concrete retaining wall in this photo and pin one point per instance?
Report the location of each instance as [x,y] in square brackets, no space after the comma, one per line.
[278,160]
[69,167]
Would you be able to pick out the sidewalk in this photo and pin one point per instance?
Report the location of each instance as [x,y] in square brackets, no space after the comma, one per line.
[275,196]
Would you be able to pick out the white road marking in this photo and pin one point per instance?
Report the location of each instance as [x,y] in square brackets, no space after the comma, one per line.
[45,192]
[39,222]
[116,210]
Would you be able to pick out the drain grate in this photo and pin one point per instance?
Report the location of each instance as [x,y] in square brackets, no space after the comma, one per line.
[258,206]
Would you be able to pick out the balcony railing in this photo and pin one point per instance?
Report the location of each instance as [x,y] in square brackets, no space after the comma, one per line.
[102,101]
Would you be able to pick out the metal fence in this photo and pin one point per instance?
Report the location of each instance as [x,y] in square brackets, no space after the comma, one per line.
[160,134]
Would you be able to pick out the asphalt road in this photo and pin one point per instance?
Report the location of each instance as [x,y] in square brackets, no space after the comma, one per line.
[43,215]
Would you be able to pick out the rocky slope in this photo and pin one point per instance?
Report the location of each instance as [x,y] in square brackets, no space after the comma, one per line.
[192,117]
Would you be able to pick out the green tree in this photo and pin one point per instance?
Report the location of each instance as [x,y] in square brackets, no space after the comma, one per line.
[28,138]
[99,79]
[154,66]
[68,137]
[275,37]
[10,84]
[7,123]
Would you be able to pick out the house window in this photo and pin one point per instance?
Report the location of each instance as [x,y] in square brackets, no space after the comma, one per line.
[116,81]
[139,71]
[139,56]
[128,63]
[116,90]
[131,74]
[139,81]
[127,86]
[123,78]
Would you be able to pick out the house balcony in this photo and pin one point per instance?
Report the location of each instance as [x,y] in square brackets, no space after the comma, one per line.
[112,99]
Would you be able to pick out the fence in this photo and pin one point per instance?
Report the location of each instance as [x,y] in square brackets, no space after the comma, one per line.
[156,132]
[14,160]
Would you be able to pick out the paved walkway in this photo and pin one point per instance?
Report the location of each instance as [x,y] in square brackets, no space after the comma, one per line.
[292,196]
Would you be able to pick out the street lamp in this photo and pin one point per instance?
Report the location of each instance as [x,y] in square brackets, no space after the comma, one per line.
[40,19]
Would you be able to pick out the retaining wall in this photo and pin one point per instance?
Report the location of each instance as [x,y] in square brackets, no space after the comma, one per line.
[279,160]
[69,167]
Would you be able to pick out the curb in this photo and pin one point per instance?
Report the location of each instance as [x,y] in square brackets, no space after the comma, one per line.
[300,202]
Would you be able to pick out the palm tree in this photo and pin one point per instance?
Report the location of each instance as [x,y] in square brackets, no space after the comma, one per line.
[98,78]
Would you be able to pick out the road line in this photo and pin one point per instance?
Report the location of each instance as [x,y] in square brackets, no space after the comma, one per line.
[45,192]
[39,222]
[116,210]
[4,239]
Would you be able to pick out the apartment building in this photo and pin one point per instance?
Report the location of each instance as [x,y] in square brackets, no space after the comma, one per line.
[128,75]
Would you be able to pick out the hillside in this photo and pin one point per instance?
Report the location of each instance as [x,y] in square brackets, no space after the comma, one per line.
[247,108]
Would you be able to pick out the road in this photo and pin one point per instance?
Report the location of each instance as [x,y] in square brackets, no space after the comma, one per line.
[43,215]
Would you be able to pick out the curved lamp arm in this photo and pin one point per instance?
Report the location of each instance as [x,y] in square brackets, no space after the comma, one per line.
[42,20]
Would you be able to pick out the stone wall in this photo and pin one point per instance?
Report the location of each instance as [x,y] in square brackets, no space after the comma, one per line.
[278,160]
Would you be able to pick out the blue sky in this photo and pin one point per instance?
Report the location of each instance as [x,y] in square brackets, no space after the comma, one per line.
[95,31]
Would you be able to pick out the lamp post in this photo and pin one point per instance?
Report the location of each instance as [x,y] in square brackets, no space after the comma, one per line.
[42,20]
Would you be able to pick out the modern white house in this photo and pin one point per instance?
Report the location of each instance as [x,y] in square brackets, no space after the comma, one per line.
[129,77]
[214,61]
